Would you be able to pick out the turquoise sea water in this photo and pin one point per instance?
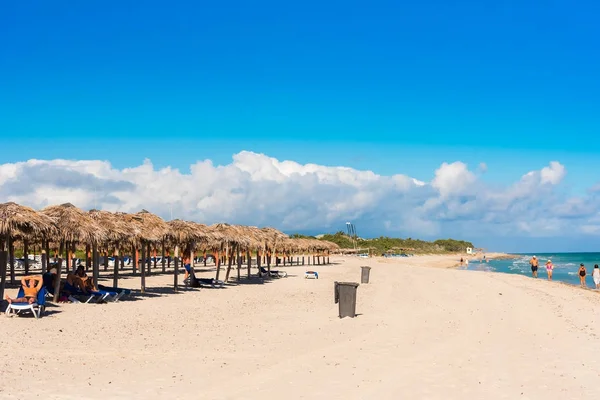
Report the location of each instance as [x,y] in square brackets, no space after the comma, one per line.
[566,266]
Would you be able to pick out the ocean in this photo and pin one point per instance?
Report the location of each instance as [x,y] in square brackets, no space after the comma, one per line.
[566,266]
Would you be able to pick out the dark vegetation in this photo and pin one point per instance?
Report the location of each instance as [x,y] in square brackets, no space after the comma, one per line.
[383,243]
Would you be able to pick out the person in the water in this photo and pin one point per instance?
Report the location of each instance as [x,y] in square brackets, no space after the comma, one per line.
[534,266]
[582,274]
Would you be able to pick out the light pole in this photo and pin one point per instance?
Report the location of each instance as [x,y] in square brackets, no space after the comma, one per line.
[351,229]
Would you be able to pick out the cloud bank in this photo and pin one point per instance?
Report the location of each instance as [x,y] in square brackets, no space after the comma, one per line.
[255,189]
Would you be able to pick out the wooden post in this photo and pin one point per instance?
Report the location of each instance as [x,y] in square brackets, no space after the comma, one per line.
[58,272]
[142,269]
[204,255]
[48,254]
[176,272]
[11,255]
[229,259]
[149,262]
[162,260]
[68,259]
[3,260]
[258,258]
[44,258]
[122,263]
[26,255]
[106,259]
[192,254]
[239,263]
[95,265]
[269,262]
[218,263]
[249,261]
[155,260]
[134,255]
[88,257]
[115,269]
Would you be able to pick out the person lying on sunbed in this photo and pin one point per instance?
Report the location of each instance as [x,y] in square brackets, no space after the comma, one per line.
[89,285]
[76,281]
[31,286]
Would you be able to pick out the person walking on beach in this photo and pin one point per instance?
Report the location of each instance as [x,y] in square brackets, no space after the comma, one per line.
[582,274]
[549,268]
[596,276]
[534,266]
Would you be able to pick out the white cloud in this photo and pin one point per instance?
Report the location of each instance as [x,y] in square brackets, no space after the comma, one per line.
[260,190]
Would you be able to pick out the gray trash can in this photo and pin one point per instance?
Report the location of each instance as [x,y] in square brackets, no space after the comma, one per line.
[345,295]
[364,274]
[336,293]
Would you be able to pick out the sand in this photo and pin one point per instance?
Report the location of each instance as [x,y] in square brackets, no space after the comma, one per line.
[421,333]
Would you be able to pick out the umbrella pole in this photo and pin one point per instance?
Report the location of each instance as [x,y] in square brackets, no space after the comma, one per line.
[116,269]
[11,255]
[44,257]
[149,265]
[95,265]
[58,272]
[239,263]
[162,259]
[134,255]
[229,261]
[143,273]
[26,255]
[67,257]
[218,263]
[176,271]
[249,256]
[3,260]
[88,258]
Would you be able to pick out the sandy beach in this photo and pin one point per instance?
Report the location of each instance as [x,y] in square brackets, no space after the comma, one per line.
[422,333]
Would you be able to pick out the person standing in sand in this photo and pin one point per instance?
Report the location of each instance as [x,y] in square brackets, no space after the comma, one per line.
[582,274]
[534,266]
[549,269]
[596,276]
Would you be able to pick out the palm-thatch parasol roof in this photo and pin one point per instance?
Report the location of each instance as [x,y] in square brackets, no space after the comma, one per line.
[117,229]
[151,227]
[21,221]
[255,235]
[273,236]
[228,234]
[74,225]
[185,232]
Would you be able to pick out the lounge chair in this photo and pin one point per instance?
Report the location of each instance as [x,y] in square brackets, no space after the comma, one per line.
[88,297]
[37,308]
[273,273]
[193,281]
[115,292]
[311,275]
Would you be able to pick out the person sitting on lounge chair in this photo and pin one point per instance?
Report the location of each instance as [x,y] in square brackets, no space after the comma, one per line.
[31,285]
[76,281]
[187,266]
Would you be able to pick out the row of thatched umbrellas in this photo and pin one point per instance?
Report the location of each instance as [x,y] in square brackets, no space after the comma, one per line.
[64,228]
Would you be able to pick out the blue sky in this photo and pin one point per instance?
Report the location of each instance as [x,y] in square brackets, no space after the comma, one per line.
[392,87]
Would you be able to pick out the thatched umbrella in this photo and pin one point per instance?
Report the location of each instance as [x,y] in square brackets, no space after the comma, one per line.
[229,237]
[273,239]
[151,229]
[118,232]
[256,237]
[186,234]
[19,221]
[73,226]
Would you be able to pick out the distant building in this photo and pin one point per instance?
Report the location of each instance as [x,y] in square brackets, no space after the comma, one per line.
[469,250]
